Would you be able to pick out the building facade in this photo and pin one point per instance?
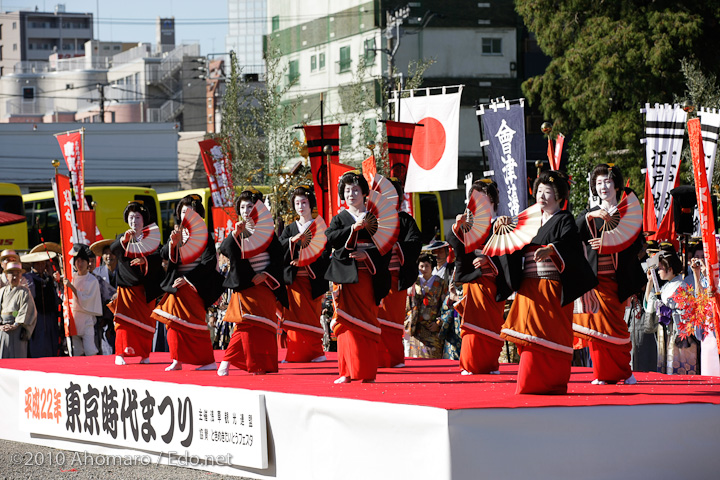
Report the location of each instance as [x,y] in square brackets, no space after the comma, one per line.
[27,36]
[246,28]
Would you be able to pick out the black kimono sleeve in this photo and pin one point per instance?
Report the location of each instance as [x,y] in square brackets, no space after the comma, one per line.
[130,276]
[410,245]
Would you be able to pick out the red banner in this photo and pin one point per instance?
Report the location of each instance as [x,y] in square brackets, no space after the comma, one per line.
[400,138]
[369,169]
[219,173]
[71,145]
[558,151]
[336,171]
[64,206]
[223,222]
[317,137]
[707,221]
[86,226]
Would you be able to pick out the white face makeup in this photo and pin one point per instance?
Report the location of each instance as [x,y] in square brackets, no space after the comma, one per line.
[302,206]
[135,220]
[605,188]
[245,209]
[354,196]
[546,198]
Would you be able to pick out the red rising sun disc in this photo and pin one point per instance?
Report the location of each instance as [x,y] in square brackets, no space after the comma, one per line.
[428,143]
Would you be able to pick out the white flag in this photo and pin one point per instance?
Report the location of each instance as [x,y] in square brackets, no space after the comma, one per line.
[434,156]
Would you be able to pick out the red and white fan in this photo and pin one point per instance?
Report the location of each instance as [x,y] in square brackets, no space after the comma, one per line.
[147,244]
[385,188]
[312,243]
[258,233]
[195,236]
[477,227]
[382,221]
[513,237]
[624,227]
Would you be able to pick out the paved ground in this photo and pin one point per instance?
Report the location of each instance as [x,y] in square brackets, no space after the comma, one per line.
[25,461]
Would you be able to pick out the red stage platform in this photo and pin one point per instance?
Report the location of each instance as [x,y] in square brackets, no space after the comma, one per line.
[428,421]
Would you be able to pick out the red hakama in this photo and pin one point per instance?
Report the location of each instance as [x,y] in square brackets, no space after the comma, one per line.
[391,317]
[542,329]
[188,335]
[134,327]
[357,328]
[253,345]
[482,320]
[607,332]
[302,322]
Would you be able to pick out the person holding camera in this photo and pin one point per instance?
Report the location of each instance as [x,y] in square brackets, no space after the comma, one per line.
[676,355]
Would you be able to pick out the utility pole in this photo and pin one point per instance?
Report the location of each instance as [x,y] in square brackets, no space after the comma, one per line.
[101,89]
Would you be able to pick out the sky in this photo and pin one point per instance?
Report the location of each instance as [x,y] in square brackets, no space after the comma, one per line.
[196,21]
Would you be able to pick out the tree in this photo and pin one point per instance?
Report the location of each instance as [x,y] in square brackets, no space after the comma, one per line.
[608,59]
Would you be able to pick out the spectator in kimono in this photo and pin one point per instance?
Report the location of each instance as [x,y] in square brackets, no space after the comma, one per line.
[17,314]
[46,335]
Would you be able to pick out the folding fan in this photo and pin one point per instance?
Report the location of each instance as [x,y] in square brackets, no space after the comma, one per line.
[149,242]
[385,188]
[623,228]
[477,227]
[382,221]
[312,243]
[513,237]
[258,233]
[197,235]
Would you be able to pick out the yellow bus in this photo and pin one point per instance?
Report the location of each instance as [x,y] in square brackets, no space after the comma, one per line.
[13,232]
[108,202]
[169,200]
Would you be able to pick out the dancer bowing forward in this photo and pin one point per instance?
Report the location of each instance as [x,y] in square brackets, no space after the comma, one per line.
[139,273]
[403,268]
[306,284]
[254,277]
[620,275]
[192,284]
[484,293]
[360,279]
[548,275]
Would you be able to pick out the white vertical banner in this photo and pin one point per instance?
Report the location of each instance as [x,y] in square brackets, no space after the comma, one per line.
[710,124]
[664,133]
[434,156]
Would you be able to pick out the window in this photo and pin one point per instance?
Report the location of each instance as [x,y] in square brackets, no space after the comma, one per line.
[28,93]
[369,56]
[276,23]
[14,47]
[492,46]
[313,63]
[0,31]
[321,61]
[346,136]
[1,47]
[293,71]
[344,63]
[14,25]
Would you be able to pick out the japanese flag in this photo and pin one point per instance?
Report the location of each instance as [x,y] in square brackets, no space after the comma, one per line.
[434,156]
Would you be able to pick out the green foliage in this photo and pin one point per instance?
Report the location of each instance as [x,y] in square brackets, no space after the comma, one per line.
[608,59]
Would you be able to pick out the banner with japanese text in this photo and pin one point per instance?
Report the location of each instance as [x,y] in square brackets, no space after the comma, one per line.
[707,220]
[71,145]
[664,133]
[166,418]
[317,137]
[68,237]
[504,127]
[219,173]
[223,222]
[710,123]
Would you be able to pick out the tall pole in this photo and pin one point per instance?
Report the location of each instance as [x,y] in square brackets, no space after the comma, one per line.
[101,89]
